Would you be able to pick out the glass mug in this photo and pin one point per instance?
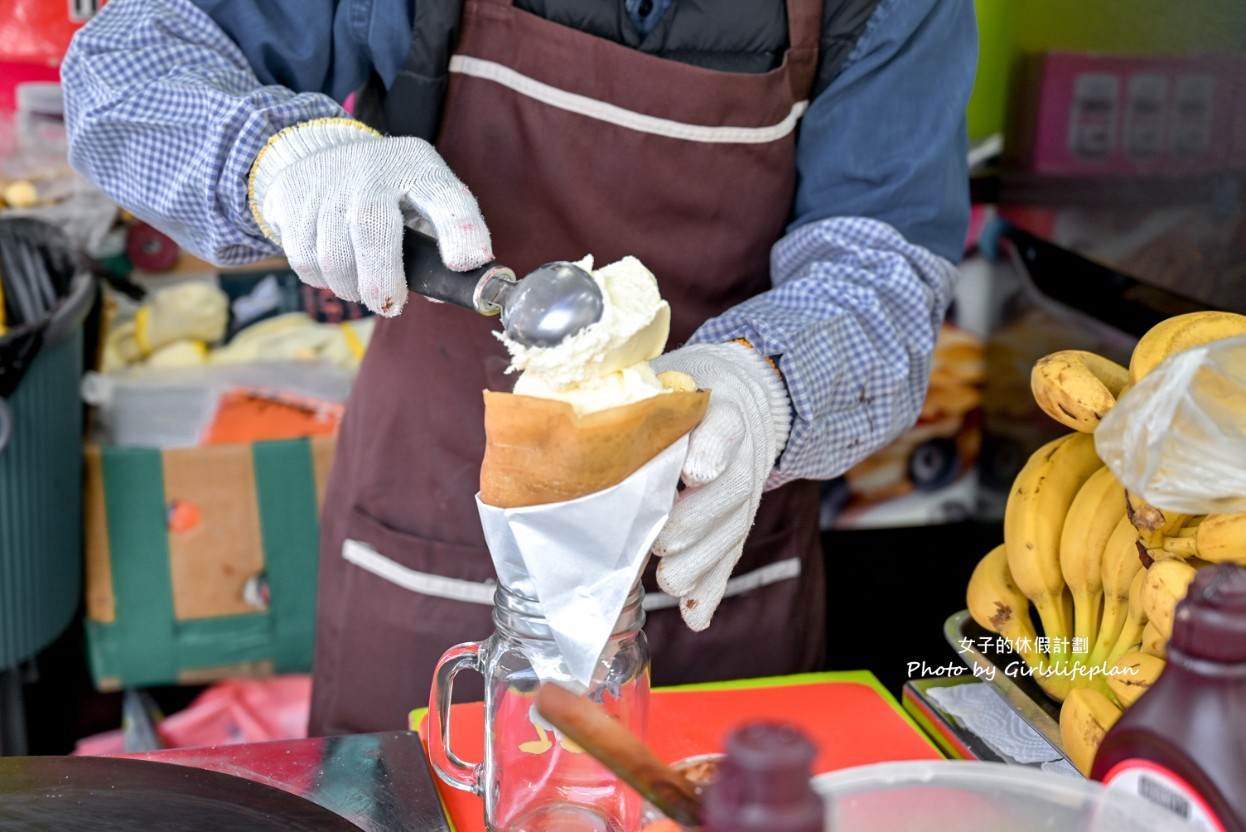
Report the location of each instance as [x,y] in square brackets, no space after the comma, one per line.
[532,778]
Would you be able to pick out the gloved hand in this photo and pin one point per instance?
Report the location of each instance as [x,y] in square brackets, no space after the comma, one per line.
[336,194]
[730,454]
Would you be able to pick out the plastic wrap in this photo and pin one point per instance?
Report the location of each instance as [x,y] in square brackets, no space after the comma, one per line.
[174,408]
[1178,437]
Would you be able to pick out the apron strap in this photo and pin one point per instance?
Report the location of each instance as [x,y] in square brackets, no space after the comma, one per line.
[804,22]
[804,25]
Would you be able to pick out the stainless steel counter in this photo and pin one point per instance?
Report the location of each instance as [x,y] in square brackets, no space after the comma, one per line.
[379,782]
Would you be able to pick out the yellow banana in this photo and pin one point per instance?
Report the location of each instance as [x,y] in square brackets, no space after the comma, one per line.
[999,607]
[1181,332]
[1154,643]
[1052,681]
[1216,538]
[1132,675]
[1034,513]
[1135,621]
[1121,562]
[994,600]
[1166,583]
[1093,515]
[1076,387]
[1153,523]
[1085,717]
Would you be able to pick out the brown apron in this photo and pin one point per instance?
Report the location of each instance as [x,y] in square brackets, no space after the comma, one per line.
[404,570]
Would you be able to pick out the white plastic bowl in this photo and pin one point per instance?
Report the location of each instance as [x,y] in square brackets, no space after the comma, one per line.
[970,796]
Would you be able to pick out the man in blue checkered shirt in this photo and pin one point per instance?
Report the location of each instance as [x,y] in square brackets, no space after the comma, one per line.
[793,173]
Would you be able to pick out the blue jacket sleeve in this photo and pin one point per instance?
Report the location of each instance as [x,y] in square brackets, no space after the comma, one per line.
[865,274]
[887,139]
[328,46]
[165,114]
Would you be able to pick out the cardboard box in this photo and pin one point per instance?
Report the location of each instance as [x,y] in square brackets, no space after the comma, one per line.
[201,562]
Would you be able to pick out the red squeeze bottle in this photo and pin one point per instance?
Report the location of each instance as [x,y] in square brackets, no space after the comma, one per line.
[763,783]
[1182,744]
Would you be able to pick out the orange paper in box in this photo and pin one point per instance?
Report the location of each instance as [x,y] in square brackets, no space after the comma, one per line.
[251,415]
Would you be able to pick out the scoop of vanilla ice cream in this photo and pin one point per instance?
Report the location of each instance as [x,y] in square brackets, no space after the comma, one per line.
[606,364]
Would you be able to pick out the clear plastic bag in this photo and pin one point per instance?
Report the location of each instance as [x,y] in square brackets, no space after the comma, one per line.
[1178,437]
[158,407]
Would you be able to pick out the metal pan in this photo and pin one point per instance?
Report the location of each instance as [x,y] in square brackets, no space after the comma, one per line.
[103,794]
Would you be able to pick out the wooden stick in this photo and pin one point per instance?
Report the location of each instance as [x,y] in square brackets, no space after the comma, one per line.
[621,751]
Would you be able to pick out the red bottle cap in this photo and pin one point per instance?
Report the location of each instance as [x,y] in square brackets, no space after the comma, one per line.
[1210,622]
[763,782]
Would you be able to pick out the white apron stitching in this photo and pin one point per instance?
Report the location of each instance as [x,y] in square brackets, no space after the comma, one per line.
[425,583]
[481,592]
[601,111]
[782,570]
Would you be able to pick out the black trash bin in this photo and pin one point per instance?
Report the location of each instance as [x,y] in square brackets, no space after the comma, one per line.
[41,365]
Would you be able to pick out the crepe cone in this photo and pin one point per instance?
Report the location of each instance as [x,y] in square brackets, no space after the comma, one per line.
[540,451]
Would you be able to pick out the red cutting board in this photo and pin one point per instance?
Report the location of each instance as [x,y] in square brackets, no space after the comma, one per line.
[850,716]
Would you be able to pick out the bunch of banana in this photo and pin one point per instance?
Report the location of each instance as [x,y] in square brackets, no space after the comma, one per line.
[1132,665]
[1136,657]
[1101,567]
[1073,558]
[1064,511]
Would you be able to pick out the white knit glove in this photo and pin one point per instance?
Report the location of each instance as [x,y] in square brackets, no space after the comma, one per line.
[335,195]
[730,454]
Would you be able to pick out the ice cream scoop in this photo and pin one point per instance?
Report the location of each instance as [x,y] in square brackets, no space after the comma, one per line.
[543,308]
[606,364]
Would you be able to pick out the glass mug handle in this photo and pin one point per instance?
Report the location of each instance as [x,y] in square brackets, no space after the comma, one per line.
[449,767]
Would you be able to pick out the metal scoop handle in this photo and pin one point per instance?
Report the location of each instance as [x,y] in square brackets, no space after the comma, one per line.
[554,301]
[478,289]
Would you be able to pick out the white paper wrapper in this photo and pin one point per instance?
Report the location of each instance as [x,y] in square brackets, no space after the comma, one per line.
[1178,437]
[581,558]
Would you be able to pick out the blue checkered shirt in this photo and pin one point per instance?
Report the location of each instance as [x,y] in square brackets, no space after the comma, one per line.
[168,102]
